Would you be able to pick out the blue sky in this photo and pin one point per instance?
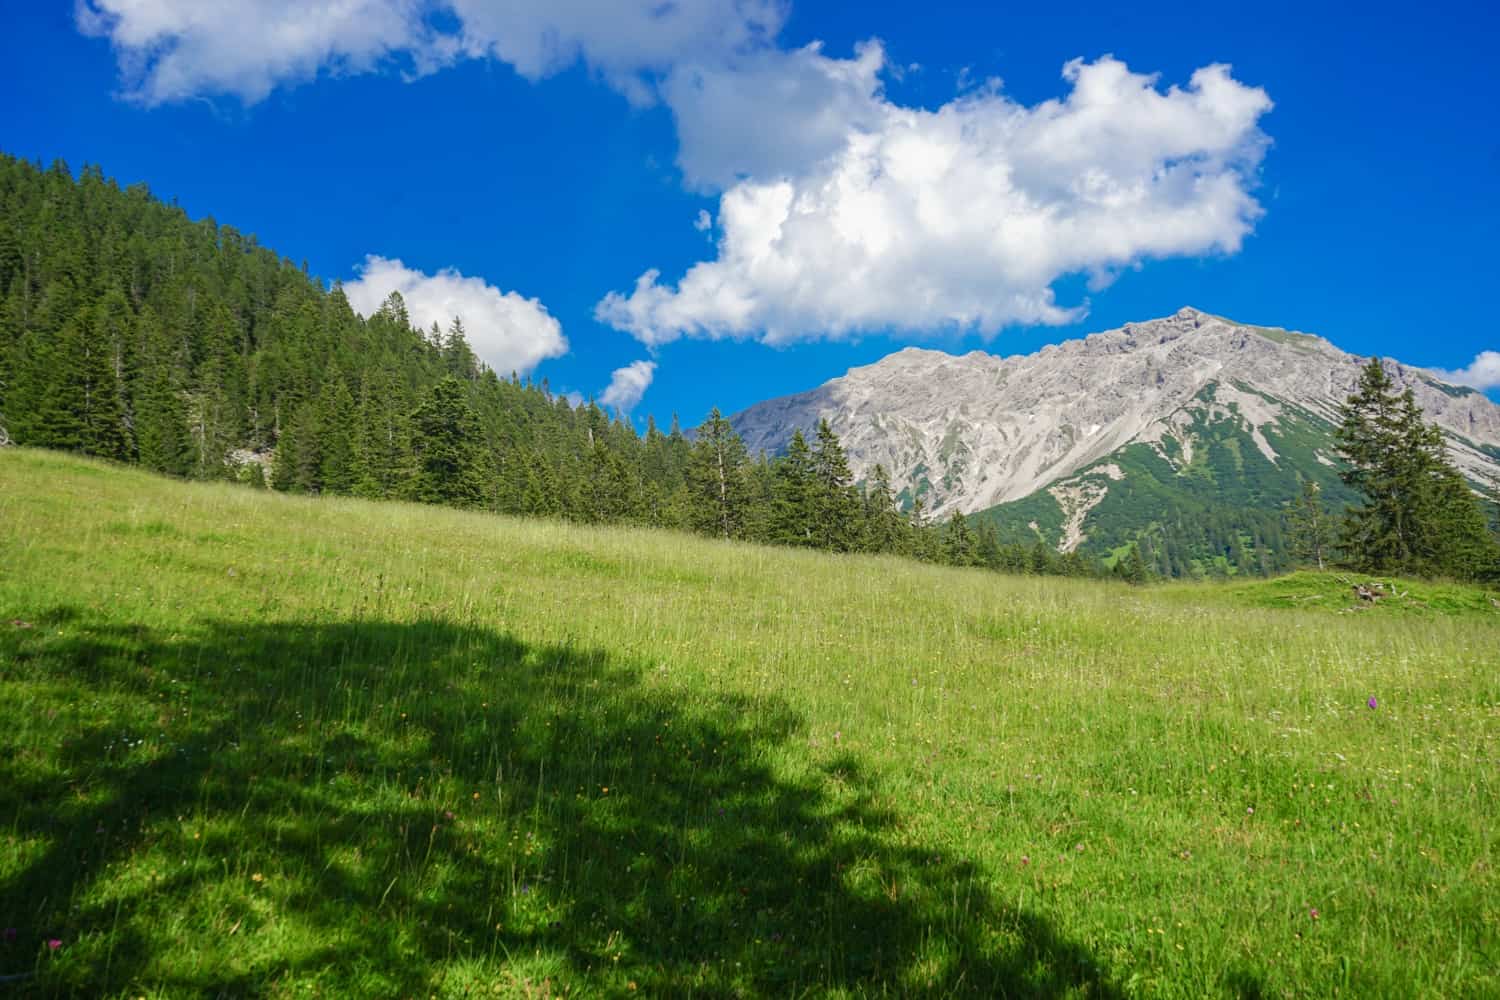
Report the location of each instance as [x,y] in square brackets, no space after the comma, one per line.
[524,161]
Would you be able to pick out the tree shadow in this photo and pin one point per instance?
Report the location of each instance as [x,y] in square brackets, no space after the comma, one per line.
[368,808]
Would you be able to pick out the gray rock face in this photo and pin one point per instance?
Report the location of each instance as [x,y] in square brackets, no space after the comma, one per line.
[974,431]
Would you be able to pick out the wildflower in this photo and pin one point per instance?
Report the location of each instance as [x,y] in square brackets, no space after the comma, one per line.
[257,878]
[1372,703]
[1313,913]
[448,814]
[1249,810]
[1025,859]
[54,944]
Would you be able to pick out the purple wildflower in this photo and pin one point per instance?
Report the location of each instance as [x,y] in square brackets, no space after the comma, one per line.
[1372,703]
[54,944]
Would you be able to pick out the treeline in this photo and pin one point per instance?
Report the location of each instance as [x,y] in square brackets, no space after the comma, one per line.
[129,332]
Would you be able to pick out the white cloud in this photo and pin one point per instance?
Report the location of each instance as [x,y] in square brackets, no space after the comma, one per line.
[627,385]
[1483,373]
[507,331]
[961,217]
[840,211]
[628,41]
[171,50]
[704,222]
[770,112]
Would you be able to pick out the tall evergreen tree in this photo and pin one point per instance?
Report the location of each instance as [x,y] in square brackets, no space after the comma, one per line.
[836,509]
[958,541]
[793,511]
[446,445]
[883,523]
[717,479]
[338,465]
[1418,516]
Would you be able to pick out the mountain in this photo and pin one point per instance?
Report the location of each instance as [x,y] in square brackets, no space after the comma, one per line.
[1122,434]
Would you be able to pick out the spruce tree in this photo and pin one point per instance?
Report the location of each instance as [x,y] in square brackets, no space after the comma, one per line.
[792,507]
[1418,515]
[382,453]
[958,541]
[336,420]
[717,479]
[884,527]
[835,506]
[446,443]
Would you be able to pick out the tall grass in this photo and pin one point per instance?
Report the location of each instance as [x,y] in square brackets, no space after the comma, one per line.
[260,745]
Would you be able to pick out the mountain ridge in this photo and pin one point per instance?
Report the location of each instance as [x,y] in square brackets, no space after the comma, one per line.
[976,432]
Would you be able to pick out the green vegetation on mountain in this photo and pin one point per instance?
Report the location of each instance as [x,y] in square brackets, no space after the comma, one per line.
[266,745]
[1221,507]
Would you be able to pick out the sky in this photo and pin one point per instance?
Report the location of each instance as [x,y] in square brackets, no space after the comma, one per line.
[670,205]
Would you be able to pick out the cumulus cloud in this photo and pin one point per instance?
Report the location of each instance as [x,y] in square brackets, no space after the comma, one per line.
[840,211]
[627,385]
[170,50]
[507,331]
[1483,373]
[956,218]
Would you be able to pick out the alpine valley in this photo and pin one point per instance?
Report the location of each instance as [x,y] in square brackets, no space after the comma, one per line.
[1187,435]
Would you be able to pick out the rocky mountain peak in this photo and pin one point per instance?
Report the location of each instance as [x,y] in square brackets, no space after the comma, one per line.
[969,432]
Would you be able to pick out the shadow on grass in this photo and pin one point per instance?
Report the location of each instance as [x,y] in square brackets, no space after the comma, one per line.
[366,808]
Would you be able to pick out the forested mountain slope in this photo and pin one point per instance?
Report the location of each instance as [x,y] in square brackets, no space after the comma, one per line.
[128,331]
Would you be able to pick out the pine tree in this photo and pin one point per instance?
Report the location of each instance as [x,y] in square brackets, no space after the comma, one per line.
[792,508]
[304,455]
[382,454]
[1418,515]
[884,526]
[958,541]
[458,356]
[1378,534]
[66,395]
[717,479]
[446,442]
[835,506]
[337,467]
[920,542]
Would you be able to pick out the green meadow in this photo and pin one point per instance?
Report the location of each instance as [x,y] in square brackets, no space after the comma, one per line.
[260,745]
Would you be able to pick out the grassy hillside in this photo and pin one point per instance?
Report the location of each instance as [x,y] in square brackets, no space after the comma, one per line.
[253,744]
